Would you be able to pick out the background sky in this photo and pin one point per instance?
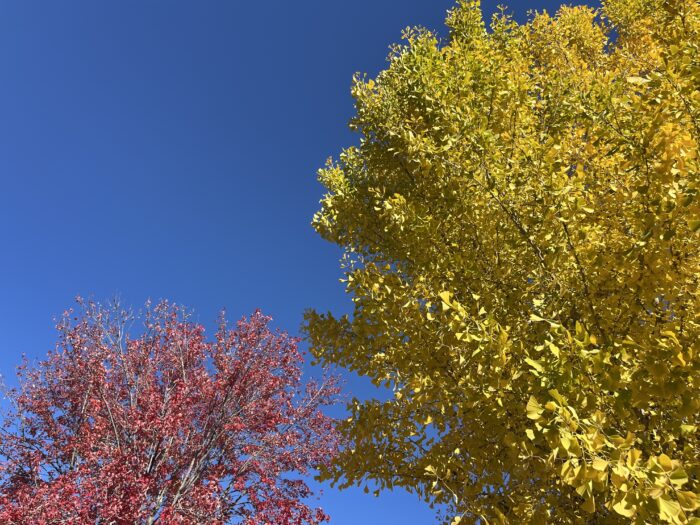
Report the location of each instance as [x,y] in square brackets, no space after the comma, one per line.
[168,149]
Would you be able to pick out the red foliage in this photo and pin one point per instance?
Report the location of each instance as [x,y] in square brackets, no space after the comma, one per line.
[165,427]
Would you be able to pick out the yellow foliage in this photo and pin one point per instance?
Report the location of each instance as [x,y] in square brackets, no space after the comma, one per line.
[520,226]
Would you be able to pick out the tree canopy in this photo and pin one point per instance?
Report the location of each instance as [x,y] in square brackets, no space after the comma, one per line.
[520,228]
[163,426]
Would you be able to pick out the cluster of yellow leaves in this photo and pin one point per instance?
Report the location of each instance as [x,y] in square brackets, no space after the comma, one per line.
[520,226]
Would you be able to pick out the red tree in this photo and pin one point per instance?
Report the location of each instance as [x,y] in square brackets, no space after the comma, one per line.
[165,427]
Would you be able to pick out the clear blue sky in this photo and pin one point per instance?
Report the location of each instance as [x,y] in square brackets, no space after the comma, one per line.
[168,149]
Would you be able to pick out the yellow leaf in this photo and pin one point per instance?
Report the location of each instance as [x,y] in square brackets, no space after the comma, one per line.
[600,464]
[668,509]
[678,477]
[534,364]
[624,507]
[446,298]
[557,396]
[633,457]
[534,409]
[688,500]
[665,462]
[637,80]
[688,429]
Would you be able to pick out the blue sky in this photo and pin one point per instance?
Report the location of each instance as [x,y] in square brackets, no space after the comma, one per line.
[168,149]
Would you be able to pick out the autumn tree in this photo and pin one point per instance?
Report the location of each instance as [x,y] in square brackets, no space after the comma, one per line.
[164,426]
[520,227]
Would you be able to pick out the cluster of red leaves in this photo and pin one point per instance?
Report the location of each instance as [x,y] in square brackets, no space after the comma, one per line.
[165,427]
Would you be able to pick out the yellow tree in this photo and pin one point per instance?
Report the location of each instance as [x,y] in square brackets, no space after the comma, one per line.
[520,227]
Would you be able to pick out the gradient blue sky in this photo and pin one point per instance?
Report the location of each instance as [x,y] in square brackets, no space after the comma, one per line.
[168,149]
